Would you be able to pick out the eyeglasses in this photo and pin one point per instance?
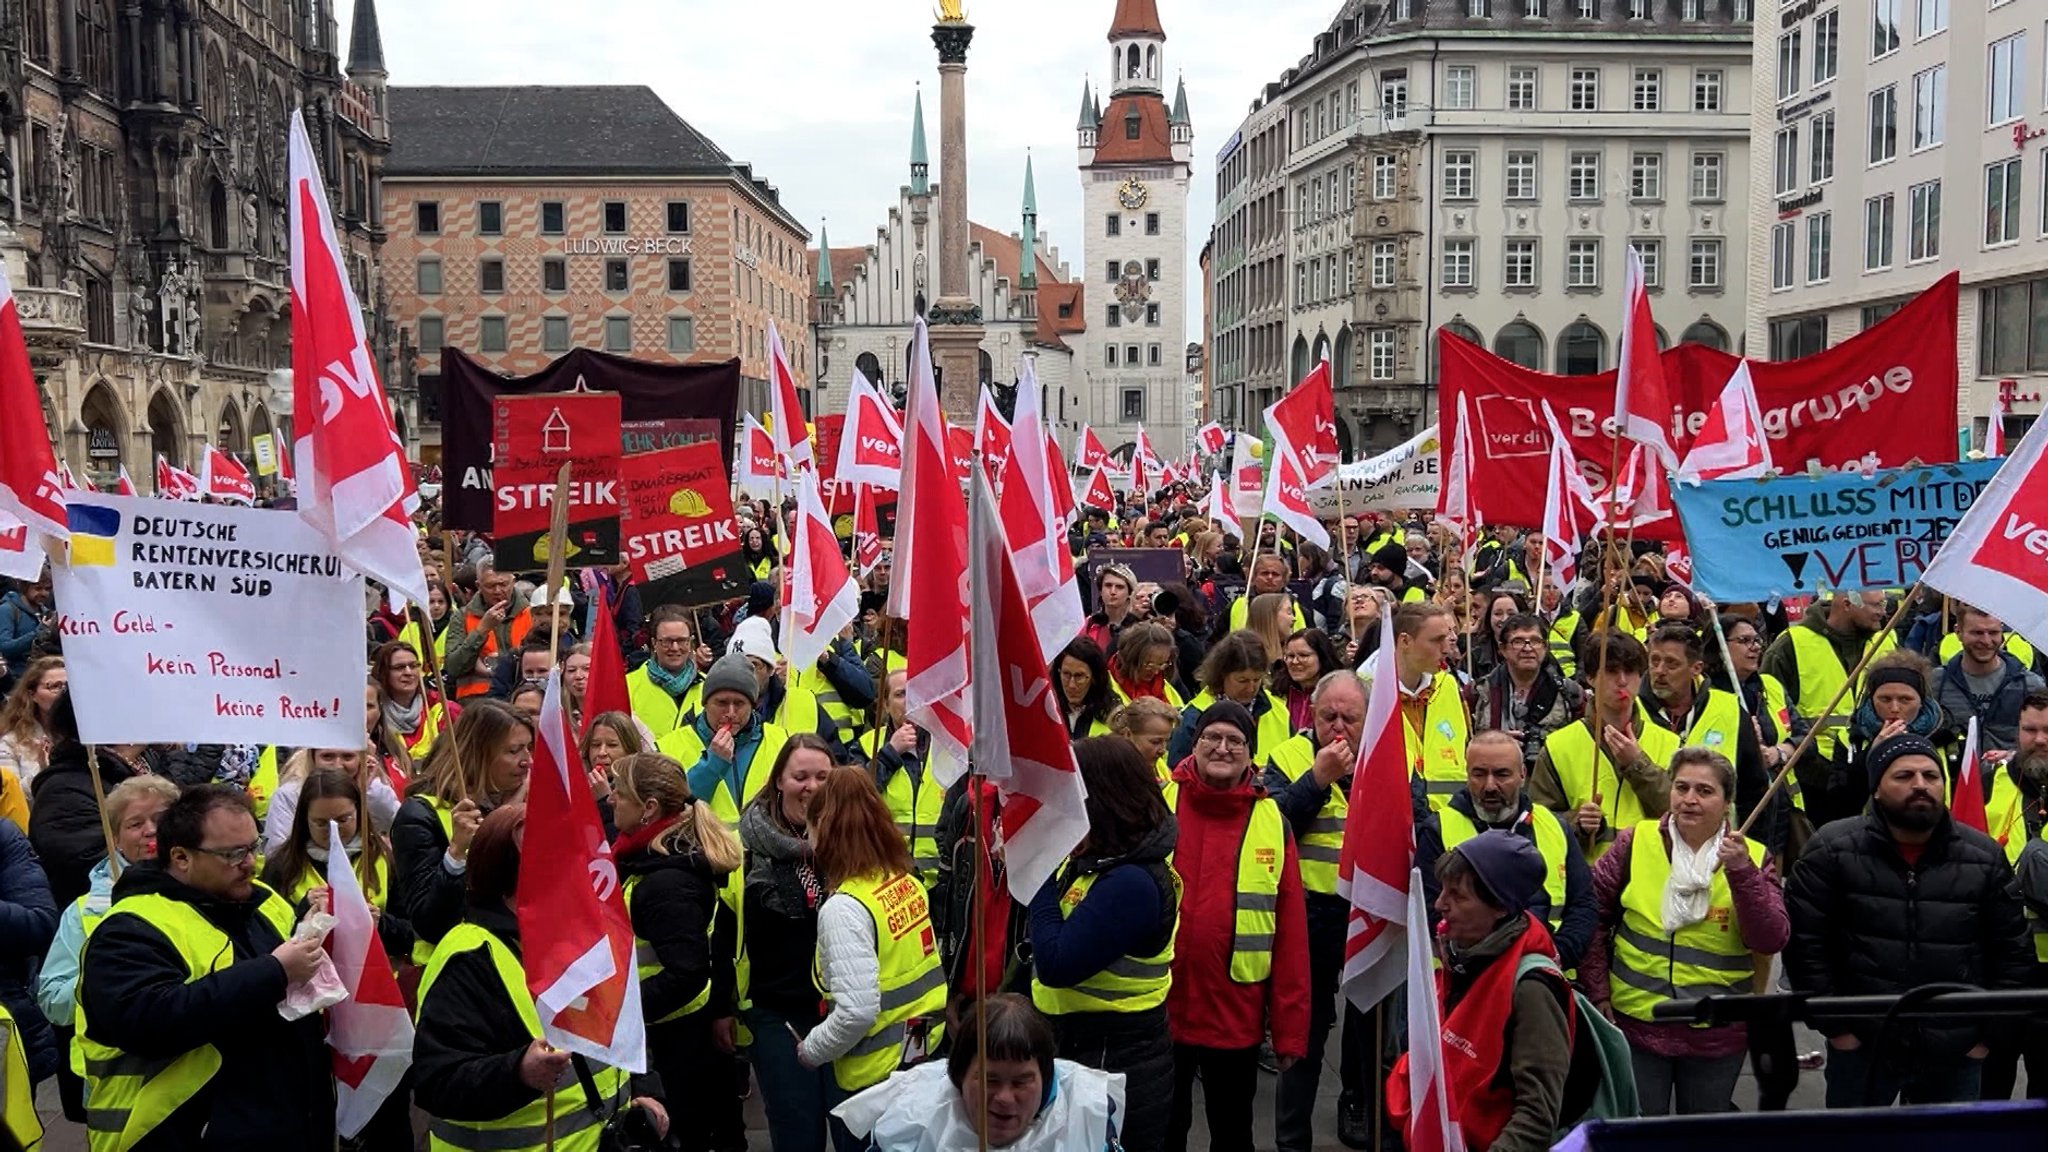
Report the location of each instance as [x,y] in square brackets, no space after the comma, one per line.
[1750,641]
[673,642]
[1223,740]
[1524,642]
[234,857]
[412,667]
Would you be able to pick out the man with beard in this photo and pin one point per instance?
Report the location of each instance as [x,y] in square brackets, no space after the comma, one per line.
[2016,810]
[1493,799]
[1681,701]
[1901,896]
[1389,570]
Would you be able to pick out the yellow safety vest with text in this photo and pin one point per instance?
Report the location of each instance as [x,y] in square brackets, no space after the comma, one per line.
[1129,984]
[1319,847]
[1256,898]
[647,965]
[915,800]
[1551,841]
[1821,675]
[1436,753]
[1651,965]
[1589,776]
[912,979]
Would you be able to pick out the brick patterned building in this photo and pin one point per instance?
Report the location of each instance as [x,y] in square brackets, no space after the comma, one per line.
[528,221]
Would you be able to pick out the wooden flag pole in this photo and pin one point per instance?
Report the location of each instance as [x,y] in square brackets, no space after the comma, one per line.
[99,795]
[558,542]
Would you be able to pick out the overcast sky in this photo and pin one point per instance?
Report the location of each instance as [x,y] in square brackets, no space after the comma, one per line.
[816,94]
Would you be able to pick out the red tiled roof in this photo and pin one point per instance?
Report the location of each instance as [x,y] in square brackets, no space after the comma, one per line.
[1050,326]
[1153,145]
[1136,18]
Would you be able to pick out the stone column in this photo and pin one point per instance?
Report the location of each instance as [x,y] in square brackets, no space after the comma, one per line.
[955,318]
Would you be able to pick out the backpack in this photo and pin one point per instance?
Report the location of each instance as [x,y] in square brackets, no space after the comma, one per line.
[1601,1084]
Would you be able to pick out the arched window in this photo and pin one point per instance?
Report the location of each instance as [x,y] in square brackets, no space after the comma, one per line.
[986,366]
[1520,343]
[1458,328]
[166,429]
[1300,357]
[1152,63]
[1135,67]
[870,368]
[214,90]
[1708,333]
[1581,350]
[96,45]
[1340,360]
[217,215]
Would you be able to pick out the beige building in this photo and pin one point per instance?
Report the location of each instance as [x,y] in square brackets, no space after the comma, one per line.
[1901,140]
[522,227]
[1247,313]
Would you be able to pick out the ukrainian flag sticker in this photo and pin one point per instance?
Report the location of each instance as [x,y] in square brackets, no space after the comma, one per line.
[93,529]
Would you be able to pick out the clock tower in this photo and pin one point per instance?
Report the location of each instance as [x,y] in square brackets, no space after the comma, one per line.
[1135,156]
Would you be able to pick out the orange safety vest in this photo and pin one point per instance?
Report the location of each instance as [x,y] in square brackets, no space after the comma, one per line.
[474,684]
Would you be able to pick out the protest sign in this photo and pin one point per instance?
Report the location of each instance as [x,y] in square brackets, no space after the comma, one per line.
[678,529]
[1399,480]
[535,436]
[265,447]
[654,435]
[206,623]
[1797,535]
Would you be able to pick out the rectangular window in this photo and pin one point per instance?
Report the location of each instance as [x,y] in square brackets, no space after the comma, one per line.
[1152,270]
[1394,95]
[1383,170]
[433,334]
[1647,93]
[1521,175]
[1114,317]
[1880,220]
[1134,400]
[1153,355]
[615,217]
[1930,107]
[1923,221]
[617,278]
[1691,9]
[1152,315]
[2008,63]
[553,220]
[1518,264]
[554,275]
[1706,90]
[490,276]
[1646,176]
[490,218]
[1784,254]
[427,217]
[1788,65]
[682,335]
[1585,90]
[1478,9]
[1639,9]
[554,333]
[1652,253]
[2002,202]
[1582,264]
[1583,176]
[1884,27]
[1461,86]
[1827,43]
[1933,18]
[1459,182]
[1798,336]
[1380,359]
[679,275]
[1383,264]
[1589,9]
[1113,225]
[428,276]
[491,334]
[1707,168]
[1820,247]
[1458,270]
[1871,314]
[1820,149]
[1705,266]
[1534,9]
[618,334]
[679,216]
[1109,355]
[1151,223]
[1522,88]
[1785,162]
[1112,271]
[1884,124]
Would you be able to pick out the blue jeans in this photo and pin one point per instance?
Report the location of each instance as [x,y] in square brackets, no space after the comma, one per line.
[794,1095]
[1848,1070]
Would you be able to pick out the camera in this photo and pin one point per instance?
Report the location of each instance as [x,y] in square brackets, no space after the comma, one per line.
[631,1129]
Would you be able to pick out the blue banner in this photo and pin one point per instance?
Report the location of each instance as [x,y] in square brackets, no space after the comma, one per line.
[1801,535]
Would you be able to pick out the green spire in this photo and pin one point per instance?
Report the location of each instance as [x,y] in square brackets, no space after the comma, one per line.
[824,262]
[1180,104]
[1027,277]
[1091,117]
[920,162]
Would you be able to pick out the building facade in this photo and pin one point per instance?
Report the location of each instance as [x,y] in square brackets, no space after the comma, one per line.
[1248,318]
[865,297]
[144,201]
[1135,162]
[1900,140]
[1482,166]
[521,227]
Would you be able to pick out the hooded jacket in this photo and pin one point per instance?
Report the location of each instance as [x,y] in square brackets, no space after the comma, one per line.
[781,916]
[64,817]
[275,1086]
[1204,1006]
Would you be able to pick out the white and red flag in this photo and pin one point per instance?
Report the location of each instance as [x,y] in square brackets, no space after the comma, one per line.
[578,942]
[1020,740]
[792,431]
[931,572]
[1641,493]
[1037,534]
[124,484]
[1642,402]
[31,492]
[1219,511]
[355,487]
[1211,439]
[1994,427]
[606,690]
[222,477]
[1088,451]
[1968,805]
[822,597]
[871,448]
[1144,464]
[1731,445]
[1098,493]
[1304,426]
[65,479]
[1568,510]
[371,1031]
[1456,505]
[174,483]
[1061,478]
[992,438]
[867,531]
[1428,1107]
[1247,477]
[1287,500]
[1997,556]
[1379,844]
[759,472]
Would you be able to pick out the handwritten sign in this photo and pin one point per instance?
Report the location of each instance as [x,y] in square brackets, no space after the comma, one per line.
[678,527]
[1402,479]
[1752,540]
[533,436]
[207,623]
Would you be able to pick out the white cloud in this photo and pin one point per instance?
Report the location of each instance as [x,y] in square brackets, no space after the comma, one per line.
[816,94]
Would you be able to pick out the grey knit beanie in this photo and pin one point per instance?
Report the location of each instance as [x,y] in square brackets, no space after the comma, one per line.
[732,673]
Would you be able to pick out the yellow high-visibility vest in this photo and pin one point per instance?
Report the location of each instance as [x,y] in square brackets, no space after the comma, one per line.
[1436,753]
[912,979]
[661,712]
[1651,965]
[1319,847]
[17,1095]
[1821,675]
[1129,984]
[915,800]
[685,747]
[1551,840]
[1255,899]
[1584,770]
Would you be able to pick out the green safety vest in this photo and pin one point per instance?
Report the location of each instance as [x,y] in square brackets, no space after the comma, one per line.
[648,965]
[131,1095]
[1319,847]
[1255,899]
[912,982]
[661,712]
[916,805]
[2015,645]
[575,1127]
[1128,984]
[1551,840]
[422,948]
[1271,727]
[1579,763]
[2006,817]
[1240,611]
[17,1095]
[1821,676]
[1651,965]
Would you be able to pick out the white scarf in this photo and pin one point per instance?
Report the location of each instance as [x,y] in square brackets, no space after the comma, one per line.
[1687,892]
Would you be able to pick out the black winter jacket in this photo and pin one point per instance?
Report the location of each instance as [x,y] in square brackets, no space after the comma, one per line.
[423,890]
[1864,922]
[64,818]
[275,1087]
[673,903]
[28,922]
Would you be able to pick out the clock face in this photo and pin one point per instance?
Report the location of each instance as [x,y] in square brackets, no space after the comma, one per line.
[1133,194]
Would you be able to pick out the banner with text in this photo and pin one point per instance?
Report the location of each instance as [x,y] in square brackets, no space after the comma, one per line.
[678,528]
[1399,480]
[533,437]
[207,623]
[1753,540]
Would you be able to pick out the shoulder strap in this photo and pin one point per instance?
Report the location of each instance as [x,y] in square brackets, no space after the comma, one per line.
[591,1096]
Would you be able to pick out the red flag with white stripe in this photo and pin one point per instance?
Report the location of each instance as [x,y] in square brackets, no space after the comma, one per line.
[1426,1113]
[1379,844]
[578,943]
[30,490]
[1287,500]
[992,438]
[222,477]
[174,483]
[1098,493]
[822,597]
[1994,426]
[759,471]
[1304,426]
[1997,556]
[371,1031]
[1569,510]
[1061,478]
[1036,533]
[1089,452]
[792,431]
[1219,511]
[606,690]
[1731,445]
[871,448]
[124,484]
[1456,505]
[1211,439]
[1642,402]
[1968,804]
[867,533]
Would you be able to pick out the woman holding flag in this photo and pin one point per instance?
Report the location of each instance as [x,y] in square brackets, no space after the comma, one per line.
[483,764]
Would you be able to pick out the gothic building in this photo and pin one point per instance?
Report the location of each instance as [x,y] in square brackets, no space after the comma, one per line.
[143,212]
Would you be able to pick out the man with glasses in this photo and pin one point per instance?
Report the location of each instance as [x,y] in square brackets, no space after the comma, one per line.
[667,691]
[178,994]
[1526,695]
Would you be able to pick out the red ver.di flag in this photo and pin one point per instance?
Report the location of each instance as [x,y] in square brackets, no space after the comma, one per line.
[533,437]
[679,533]
[1997,557]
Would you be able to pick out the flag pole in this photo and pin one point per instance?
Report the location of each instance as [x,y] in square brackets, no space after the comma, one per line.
[99,795]
[558,542]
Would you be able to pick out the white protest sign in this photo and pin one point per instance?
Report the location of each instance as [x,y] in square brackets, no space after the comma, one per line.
[1399,480]
[208,624]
